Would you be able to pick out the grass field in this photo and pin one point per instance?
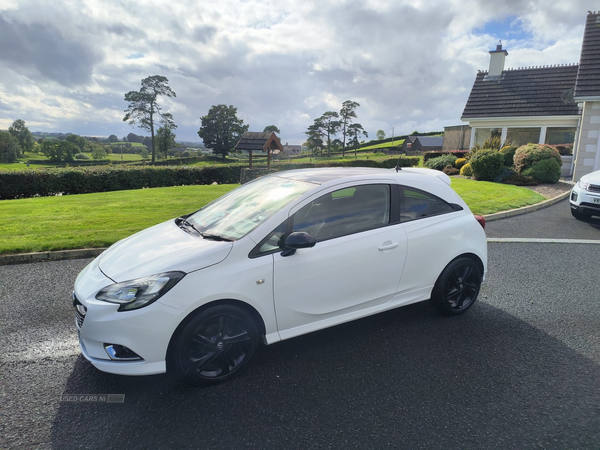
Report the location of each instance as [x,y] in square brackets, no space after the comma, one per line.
[116,156]
[397,143]
[98,220]
[485,197]
[94,220]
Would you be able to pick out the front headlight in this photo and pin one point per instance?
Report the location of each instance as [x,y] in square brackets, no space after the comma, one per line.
[138,293]
[583,185]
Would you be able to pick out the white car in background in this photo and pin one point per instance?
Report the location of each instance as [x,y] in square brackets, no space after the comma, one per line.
[585,196]
[281,256]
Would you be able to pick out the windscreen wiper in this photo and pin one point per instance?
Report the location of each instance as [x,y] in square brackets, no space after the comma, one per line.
[215,237]
[183,223]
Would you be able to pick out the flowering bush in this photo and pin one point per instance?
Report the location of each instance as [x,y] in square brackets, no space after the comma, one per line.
[460,162]
[527,155]
[466,170]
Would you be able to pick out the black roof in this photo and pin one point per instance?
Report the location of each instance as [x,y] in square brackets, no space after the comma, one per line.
[255,141]
[431,141]
[588,76]
[539,91]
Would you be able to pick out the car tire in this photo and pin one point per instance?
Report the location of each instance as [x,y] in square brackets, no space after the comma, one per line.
[579,215]
[214,346]
[456,289]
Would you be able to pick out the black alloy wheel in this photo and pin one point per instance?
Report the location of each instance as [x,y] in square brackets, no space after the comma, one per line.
[457,287]
[215,345]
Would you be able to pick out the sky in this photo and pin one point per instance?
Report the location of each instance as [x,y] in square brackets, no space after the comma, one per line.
[66,65]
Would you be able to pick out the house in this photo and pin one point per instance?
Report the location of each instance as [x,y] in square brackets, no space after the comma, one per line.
[291,150]
[548,105]
[417,144]
[457,137]
[263,143]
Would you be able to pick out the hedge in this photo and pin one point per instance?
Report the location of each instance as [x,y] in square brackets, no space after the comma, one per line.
[434,154]
[45,182]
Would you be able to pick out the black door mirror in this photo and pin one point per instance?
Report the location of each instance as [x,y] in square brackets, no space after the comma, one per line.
[296,240]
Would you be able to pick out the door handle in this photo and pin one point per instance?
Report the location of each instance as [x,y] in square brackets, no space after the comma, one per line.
[388,245]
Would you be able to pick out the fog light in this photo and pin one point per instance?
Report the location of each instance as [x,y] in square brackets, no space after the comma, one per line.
[121,353]
[574,196]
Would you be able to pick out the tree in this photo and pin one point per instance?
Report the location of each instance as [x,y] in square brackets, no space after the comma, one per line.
[9,147]
[221,129]
[316,133]
[143,107]
[77,140]
[98,151]
[380,135]
[113,138]
[24,137]
[347,113]
[331,126]
[166,138]
[59,151]
[270,128]
[354,131]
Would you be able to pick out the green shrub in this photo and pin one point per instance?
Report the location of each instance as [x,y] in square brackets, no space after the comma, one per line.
[451,170]
[487,164]
[440,162]
[509,153]
[544,171]
[504,173]
[460,162]
[466,170]
[185,154]
[436,154]
[527,155]
[81,156]
[520,180]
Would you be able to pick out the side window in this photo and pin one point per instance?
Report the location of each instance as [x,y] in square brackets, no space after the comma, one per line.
[346,211]
[417,204]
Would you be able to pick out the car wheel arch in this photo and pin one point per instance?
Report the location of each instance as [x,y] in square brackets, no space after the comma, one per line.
[475,259]
[252,312]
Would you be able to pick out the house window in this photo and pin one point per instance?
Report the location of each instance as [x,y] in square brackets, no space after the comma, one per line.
[484,134]
[522,136]
[562,135]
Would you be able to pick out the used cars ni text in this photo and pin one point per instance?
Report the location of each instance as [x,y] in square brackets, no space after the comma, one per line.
[281,256]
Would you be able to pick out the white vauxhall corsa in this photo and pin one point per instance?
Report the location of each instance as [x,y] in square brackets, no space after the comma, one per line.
[284,255]
[585,197]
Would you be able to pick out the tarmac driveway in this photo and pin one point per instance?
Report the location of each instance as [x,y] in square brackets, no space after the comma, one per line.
[554,222]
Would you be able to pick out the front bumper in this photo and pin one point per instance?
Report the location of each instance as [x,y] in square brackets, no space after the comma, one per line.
[584,201]
[145,331]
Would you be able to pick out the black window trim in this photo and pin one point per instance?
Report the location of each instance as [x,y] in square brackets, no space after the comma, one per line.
[394,219]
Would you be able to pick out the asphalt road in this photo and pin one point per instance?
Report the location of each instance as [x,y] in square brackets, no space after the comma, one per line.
[520,370]
[555,222]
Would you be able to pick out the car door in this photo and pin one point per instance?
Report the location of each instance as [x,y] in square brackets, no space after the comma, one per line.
[355,265]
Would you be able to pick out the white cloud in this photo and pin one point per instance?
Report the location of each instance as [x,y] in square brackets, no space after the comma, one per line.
[66,65]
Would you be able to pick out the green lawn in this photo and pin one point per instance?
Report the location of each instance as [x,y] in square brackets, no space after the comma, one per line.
[98,220]
[94,220]
[116,156]
[484,197]
[397,143]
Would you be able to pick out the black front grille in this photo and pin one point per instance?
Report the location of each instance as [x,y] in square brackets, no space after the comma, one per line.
[594,187]
[79,318]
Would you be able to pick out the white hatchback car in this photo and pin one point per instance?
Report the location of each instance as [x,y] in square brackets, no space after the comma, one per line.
[585,196]
[281,256]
